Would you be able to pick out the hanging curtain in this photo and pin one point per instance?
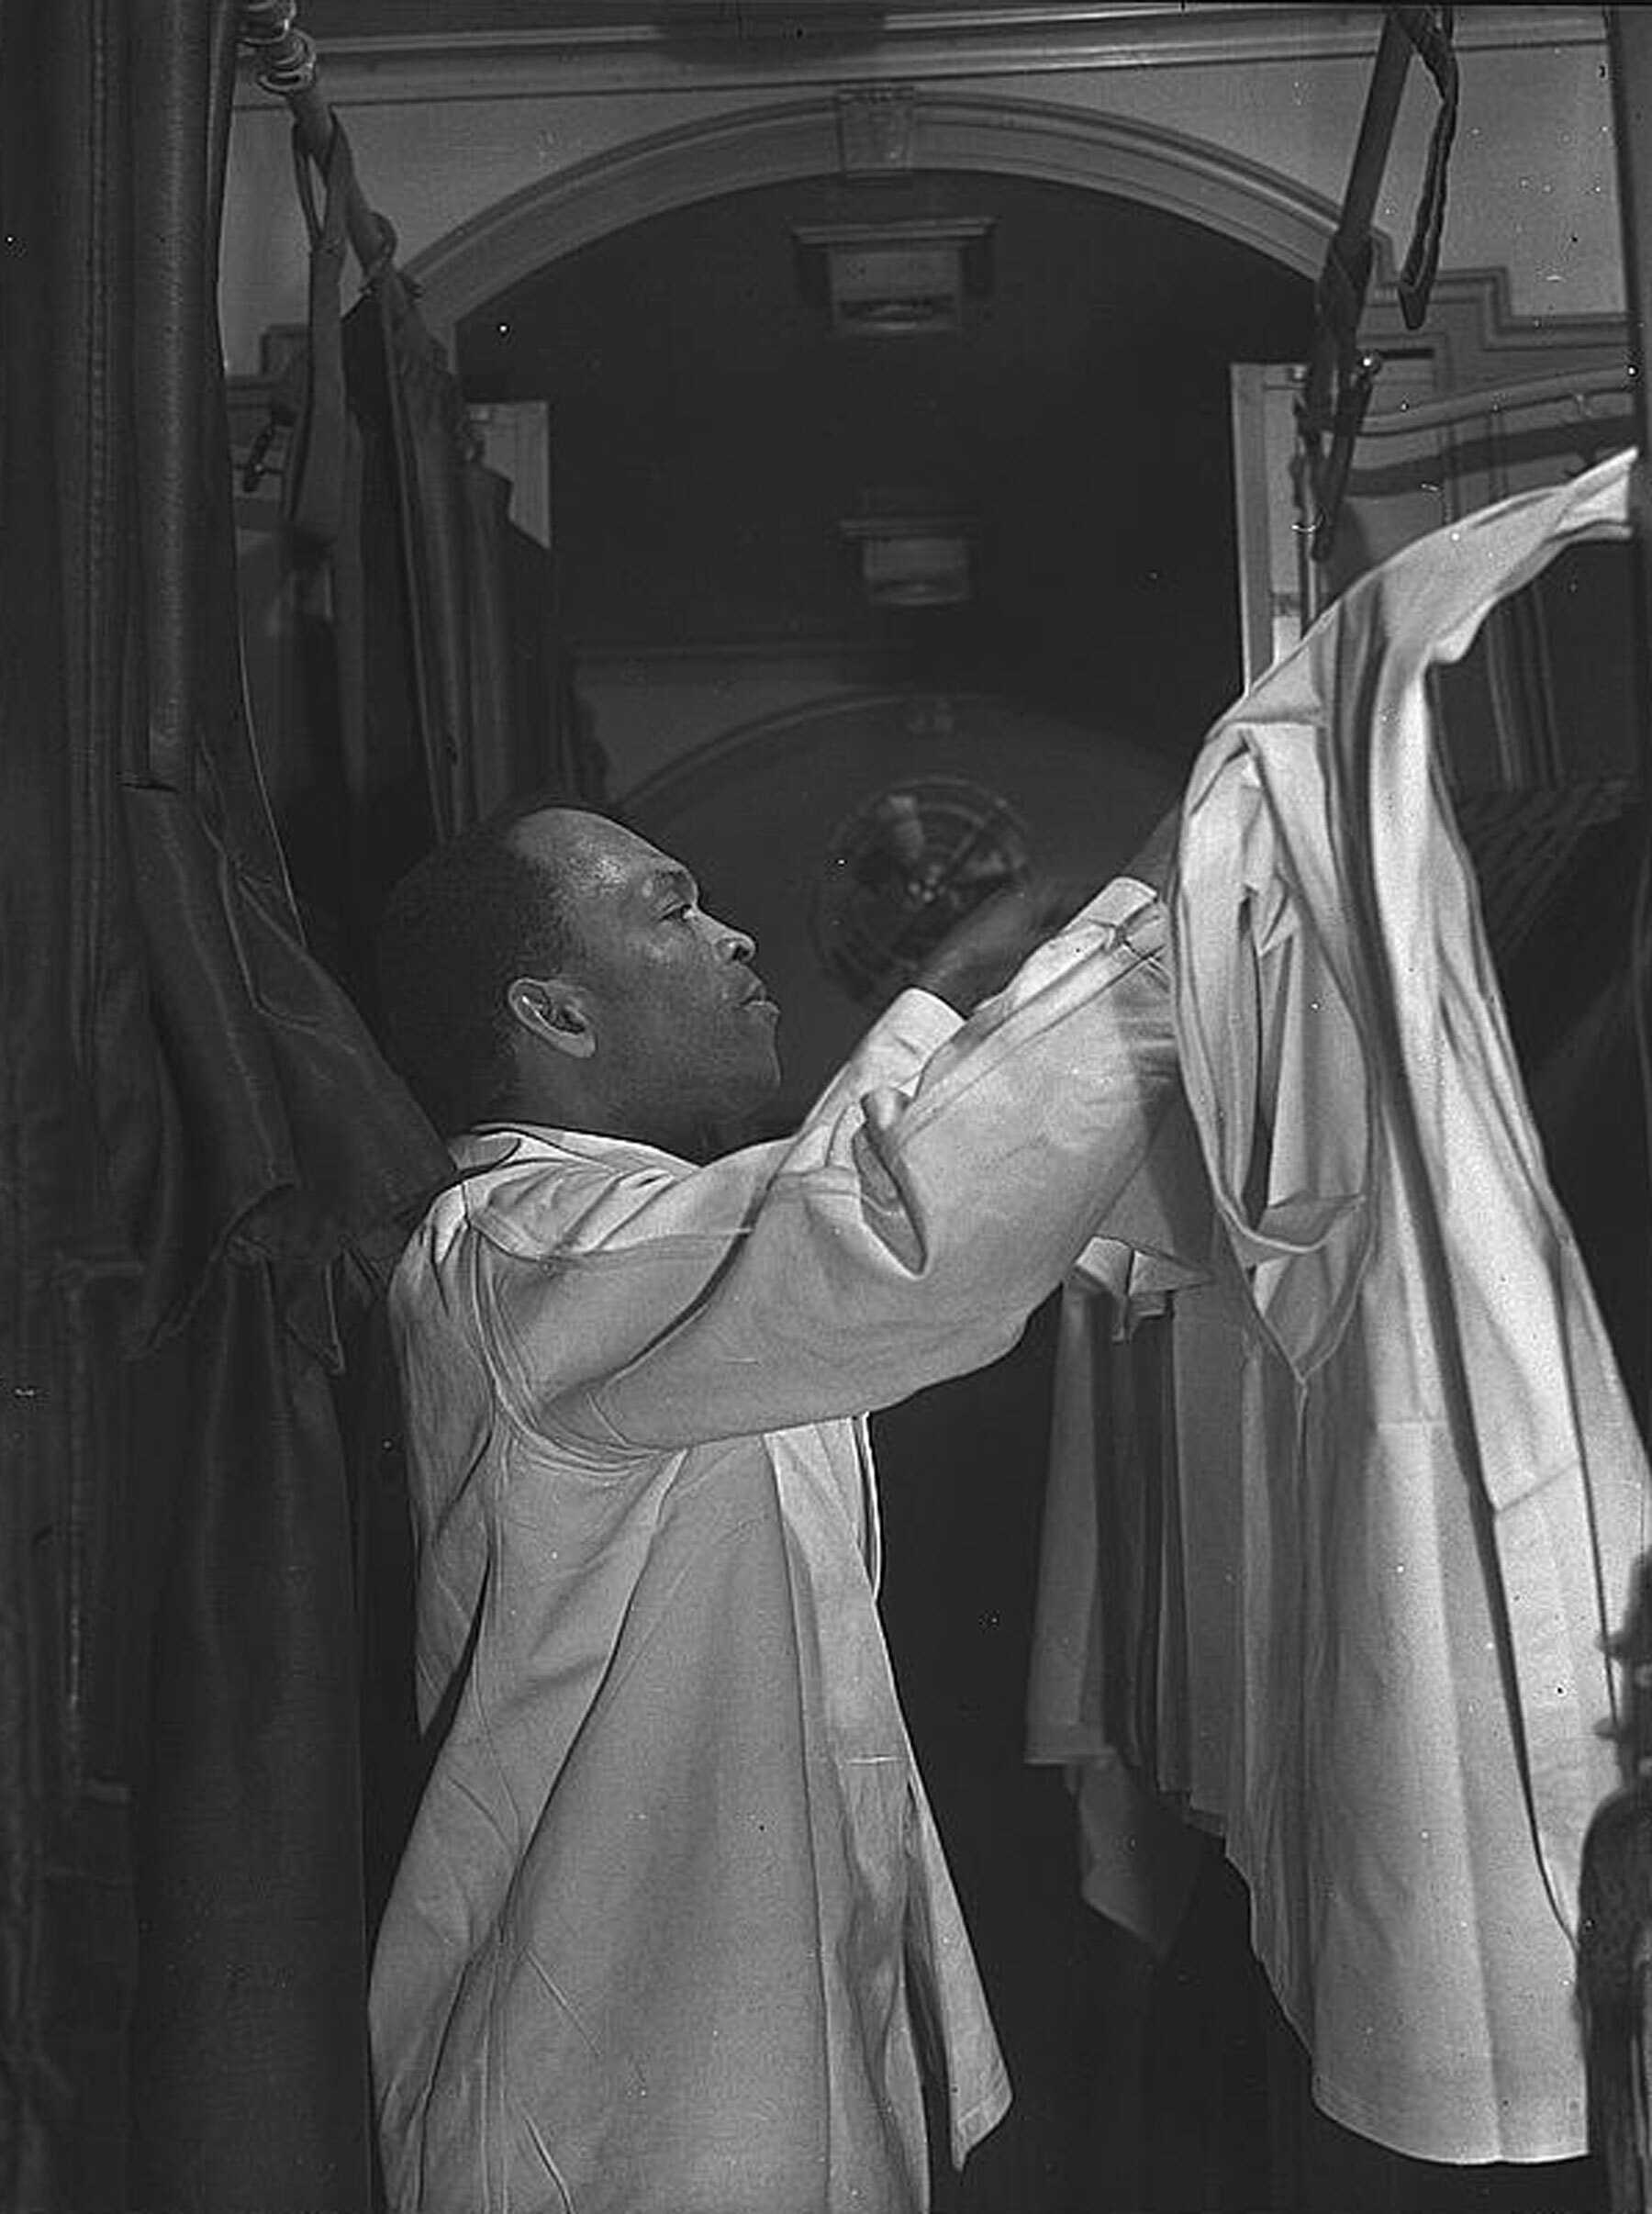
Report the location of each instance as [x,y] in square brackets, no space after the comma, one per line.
[447,691]
[441,695]
[206,1168]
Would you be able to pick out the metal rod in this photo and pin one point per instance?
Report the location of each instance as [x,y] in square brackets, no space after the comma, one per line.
[289,66]
[1629,44]
[1629,50]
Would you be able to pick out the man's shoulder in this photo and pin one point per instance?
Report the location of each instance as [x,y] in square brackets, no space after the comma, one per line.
[504,1146]
[528,1187]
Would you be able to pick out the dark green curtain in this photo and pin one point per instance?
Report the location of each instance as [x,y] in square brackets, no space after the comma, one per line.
[205,1173]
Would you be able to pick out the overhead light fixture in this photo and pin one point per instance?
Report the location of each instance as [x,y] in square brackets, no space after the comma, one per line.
[914,561]
[897,280]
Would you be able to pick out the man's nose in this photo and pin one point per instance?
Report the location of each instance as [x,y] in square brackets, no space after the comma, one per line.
[732,943]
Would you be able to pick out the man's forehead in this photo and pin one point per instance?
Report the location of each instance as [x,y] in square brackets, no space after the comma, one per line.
[590,851]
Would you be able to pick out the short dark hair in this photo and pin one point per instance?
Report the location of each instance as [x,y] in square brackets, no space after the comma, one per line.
[455,930]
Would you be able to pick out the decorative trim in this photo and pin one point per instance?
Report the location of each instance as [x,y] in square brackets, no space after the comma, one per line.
[630,52]
[1205,185]
[875,129]
[1474,338]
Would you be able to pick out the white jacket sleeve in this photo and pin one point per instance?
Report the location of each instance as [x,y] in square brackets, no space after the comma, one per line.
[903,1236]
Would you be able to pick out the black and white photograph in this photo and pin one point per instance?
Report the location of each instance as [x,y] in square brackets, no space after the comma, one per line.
[826,1168]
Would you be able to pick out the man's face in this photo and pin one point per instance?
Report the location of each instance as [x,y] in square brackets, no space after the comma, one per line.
[685,1031]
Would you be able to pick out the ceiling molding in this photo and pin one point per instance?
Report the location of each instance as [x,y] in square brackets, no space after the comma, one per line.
[626,49]
[1210,186]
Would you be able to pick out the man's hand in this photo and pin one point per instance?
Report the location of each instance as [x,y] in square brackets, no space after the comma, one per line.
[980,954]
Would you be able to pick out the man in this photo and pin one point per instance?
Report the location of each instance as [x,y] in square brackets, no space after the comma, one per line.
[673,1917]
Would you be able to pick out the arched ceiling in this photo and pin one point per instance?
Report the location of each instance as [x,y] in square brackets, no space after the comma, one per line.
[710,432]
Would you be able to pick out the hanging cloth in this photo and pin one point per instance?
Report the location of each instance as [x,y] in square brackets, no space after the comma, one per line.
[313,483]
[198,1140]
[446,684]
[1444,1494]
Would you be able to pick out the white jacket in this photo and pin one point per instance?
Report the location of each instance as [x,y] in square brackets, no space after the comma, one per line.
[646,1952]
[1444,1494]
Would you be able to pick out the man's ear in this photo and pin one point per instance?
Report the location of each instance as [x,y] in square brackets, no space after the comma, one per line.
[554,1010]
